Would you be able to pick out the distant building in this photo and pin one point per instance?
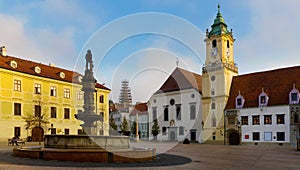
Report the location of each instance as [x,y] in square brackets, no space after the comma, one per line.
[125,98]
[140,113]
[177,107]
[29,88]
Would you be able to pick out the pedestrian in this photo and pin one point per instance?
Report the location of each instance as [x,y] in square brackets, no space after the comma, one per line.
[15,140]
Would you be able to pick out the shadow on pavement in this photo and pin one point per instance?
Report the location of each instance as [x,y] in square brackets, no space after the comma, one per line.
[162,160]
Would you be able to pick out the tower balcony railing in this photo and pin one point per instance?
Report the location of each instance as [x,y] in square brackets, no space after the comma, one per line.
[218,66]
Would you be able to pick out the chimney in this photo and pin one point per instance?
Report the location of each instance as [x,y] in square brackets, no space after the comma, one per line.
[3,51]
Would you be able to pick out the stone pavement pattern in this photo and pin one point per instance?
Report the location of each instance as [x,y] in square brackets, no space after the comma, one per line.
[192,156]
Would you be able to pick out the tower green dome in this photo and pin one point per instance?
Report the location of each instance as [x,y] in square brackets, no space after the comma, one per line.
[219,26]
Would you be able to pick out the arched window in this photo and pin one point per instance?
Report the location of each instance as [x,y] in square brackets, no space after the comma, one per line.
[192,112]
[212,91]
[213,121]
[166,114]
[214,43]
[213,106]
[228,44]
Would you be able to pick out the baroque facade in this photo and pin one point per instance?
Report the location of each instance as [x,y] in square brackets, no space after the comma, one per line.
[54,94]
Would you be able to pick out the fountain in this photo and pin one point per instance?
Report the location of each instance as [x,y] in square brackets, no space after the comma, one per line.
[88,147]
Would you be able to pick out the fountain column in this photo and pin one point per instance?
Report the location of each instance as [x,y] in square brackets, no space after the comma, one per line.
[88,116]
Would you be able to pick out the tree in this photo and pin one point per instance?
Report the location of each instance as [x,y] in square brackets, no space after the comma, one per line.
[112,123]
[155,129]
[133,128]
[125,126]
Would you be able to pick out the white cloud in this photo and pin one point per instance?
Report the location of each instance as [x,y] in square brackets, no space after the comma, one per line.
[40,45]
[274,38]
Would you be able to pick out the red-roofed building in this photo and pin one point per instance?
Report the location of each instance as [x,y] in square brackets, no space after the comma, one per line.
[263,107]
[177,107]
[140,113]
[30,88]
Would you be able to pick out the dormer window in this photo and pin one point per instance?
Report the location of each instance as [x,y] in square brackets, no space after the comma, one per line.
[263,99]
[62,75]
[37,69]
[239,101]
[294,96]
[13,64]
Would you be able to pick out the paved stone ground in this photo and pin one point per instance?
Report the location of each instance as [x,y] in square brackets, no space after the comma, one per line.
[192,156]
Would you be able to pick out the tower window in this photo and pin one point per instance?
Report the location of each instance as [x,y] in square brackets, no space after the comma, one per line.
[228,44]
[214,43]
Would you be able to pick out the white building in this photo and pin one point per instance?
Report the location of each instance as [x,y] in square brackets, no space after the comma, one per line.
[177,107]
[140,113]
[264,108]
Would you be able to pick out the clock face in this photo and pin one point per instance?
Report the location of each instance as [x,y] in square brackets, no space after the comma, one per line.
[214,52]
[214,55]
[227,52]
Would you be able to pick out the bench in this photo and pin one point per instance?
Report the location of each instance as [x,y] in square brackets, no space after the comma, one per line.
[19,141]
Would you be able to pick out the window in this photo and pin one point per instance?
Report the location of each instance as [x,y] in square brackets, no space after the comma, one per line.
[280,136]
[101,99]
[255,136]
[244,120]
[181,130]
[239,101]
[280,119]
[212,92]
[53,131]
[267,119]
[37,110]
[17,85]
[17,131]
[214,43]
[66,93]
[53,112]
[52,91]
[67,131]
[154,113]
[213,106]
[228,44]
[80,132]
[178,112]
[263,99]
[214,121]
[296,118]
[37,88]
[164,130]
[214,136]
[79,95]
[294,96]
[17,109]
[192,112]
[255,120]
[67,113]
[268,136]
[166,114]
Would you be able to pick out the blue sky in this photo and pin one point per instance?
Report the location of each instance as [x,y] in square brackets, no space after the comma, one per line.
[60,32]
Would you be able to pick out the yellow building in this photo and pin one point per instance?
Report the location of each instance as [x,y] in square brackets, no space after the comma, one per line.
[29,89]
[216,78]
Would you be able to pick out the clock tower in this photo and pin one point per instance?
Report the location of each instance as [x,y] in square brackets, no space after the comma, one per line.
[217,74]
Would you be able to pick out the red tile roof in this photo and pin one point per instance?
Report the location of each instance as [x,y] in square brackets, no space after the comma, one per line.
[181,79]
[51,72]
[140,108]
[277,84]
